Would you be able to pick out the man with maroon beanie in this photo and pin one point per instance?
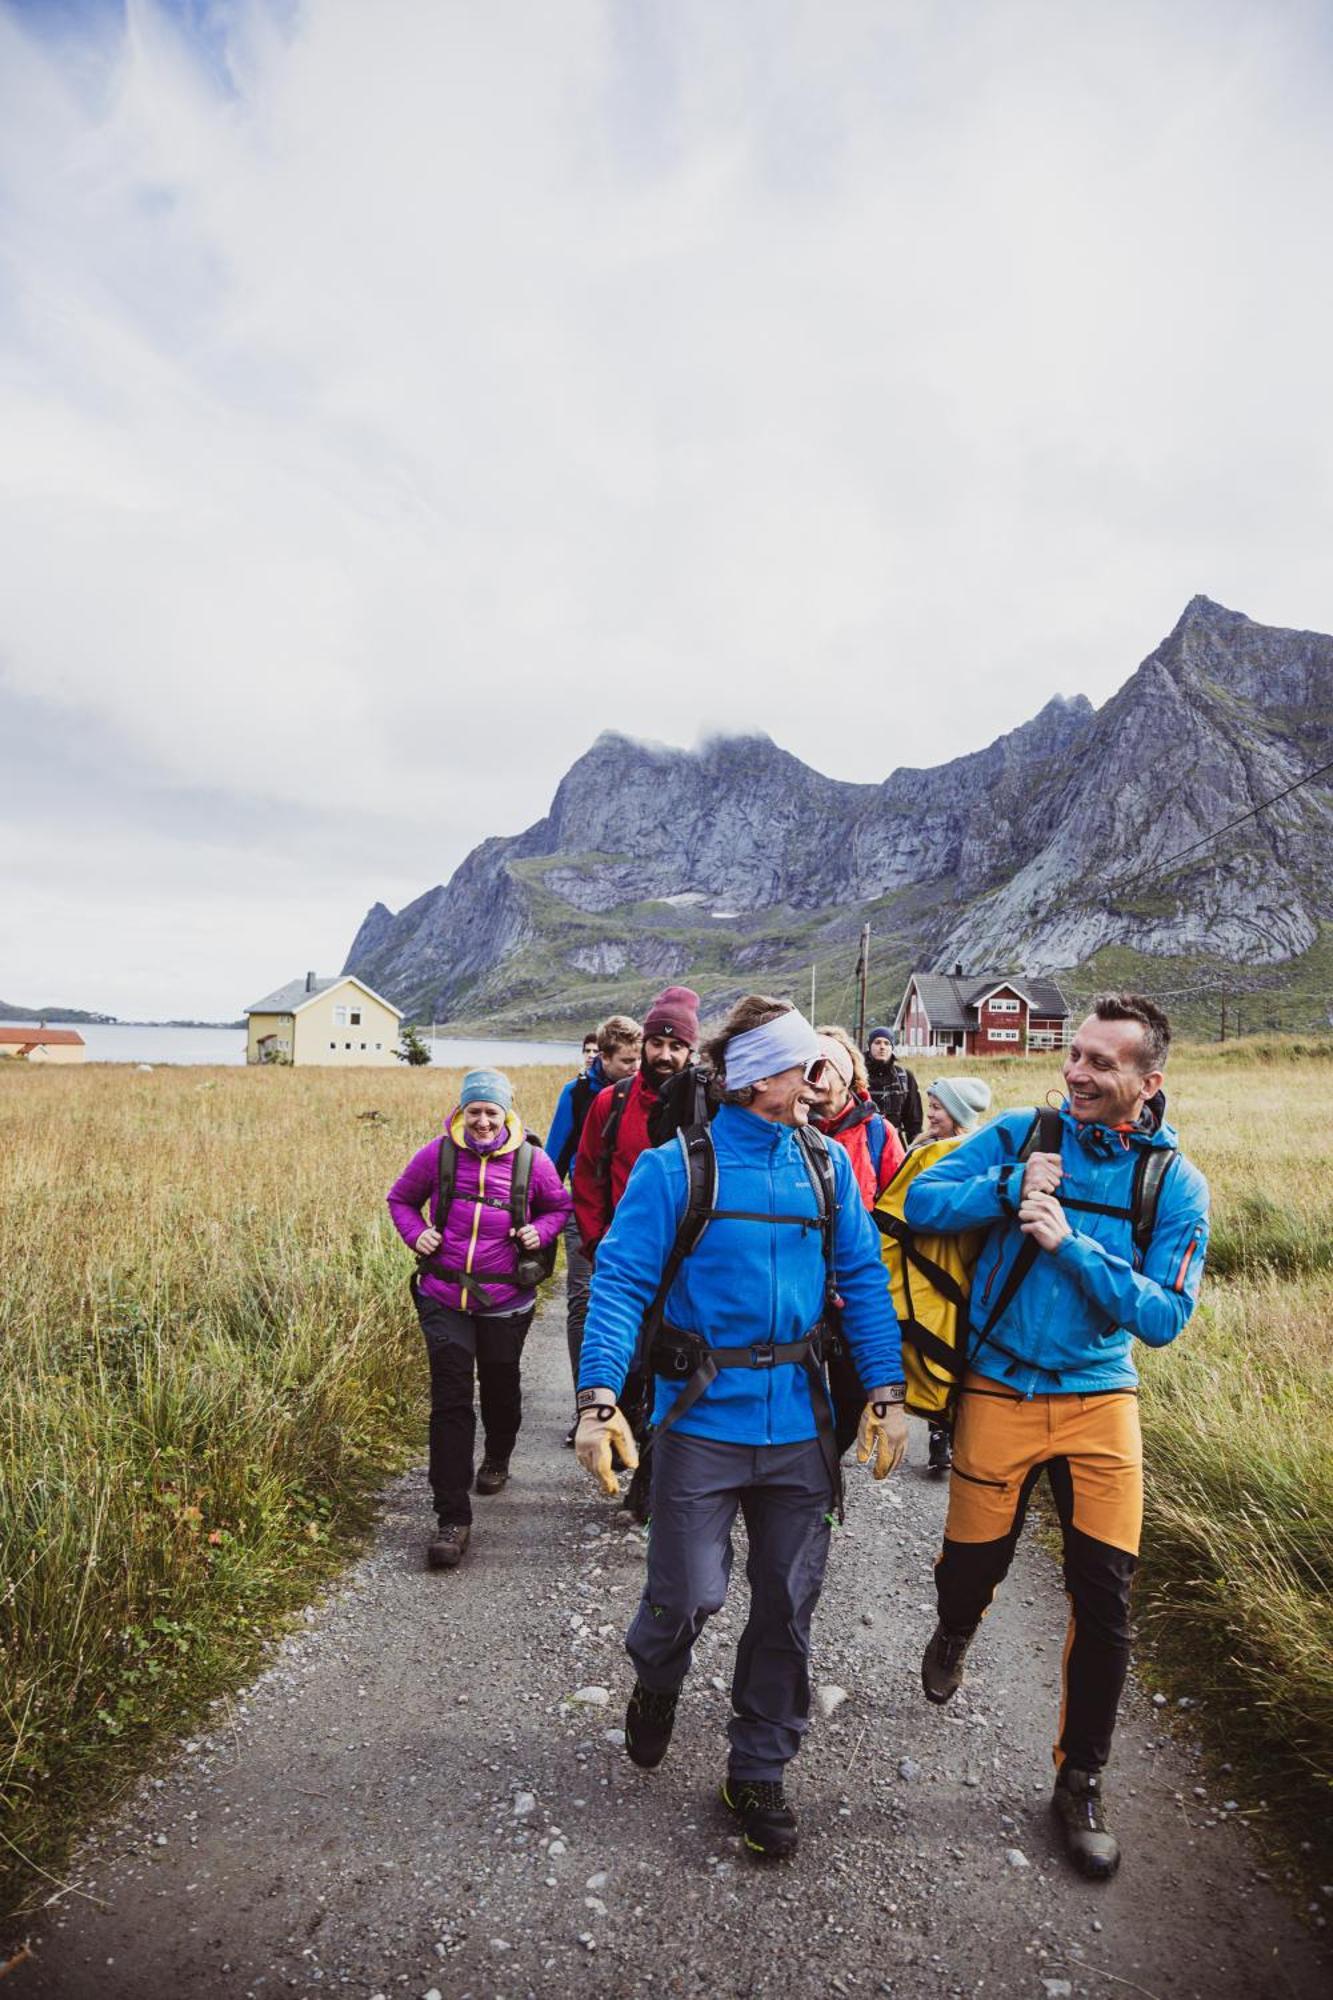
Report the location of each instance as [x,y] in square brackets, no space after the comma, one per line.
[615,1130]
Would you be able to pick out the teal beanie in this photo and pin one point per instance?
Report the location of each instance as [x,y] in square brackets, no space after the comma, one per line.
[487,1086]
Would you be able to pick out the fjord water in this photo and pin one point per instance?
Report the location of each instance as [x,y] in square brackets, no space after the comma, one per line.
[147,1043]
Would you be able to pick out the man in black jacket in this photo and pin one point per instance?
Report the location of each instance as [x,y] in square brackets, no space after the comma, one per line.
[893,1089]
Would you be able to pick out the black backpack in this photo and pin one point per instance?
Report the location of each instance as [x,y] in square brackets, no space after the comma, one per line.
[666,1350]
[531,1267]
[684,1102]
[611,1130]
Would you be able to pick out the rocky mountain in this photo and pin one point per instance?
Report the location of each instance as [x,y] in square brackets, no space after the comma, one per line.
[736,865]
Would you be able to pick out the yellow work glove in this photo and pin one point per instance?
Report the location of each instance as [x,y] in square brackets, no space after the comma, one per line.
[881,1435]
[602,1429]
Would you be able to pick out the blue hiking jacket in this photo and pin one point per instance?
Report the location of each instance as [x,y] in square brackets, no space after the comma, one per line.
[562,1141]
[1070,1326]
[745,1282]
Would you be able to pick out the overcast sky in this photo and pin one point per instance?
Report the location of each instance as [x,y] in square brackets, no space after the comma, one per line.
[394,395]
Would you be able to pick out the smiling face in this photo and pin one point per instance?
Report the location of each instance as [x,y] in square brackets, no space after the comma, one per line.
[833,1096]
[1102,1075]
[938,1122]
[787,1098]
[482,1122]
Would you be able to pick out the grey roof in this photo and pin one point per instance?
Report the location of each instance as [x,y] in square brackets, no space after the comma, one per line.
[286,999]
[951,1002]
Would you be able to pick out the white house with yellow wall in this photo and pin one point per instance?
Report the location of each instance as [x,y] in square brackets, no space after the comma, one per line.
[340,1023]
[42,1044]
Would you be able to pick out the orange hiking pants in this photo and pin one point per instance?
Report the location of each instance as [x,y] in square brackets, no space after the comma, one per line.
[1092,1453]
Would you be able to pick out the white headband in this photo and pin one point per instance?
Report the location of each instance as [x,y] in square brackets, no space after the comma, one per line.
[780,1044]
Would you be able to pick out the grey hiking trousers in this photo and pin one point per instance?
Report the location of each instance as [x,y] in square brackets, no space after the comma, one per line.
[782,1491]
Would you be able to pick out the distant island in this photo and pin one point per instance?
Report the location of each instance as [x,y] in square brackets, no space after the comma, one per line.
[76,1016]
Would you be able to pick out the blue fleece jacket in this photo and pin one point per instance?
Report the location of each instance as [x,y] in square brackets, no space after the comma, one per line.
[562,1141]
[1071,1325]
[745,1282]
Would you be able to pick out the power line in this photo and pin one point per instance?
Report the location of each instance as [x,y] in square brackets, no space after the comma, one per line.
[1205,840]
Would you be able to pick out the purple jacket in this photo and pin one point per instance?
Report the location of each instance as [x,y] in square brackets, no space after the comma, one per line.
[476,1229]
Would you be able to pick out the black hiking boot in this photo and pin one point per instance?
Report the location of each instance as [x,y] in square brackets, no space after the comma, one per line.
[492,1474]
[446,1546]
[941,1450]
[649,1720]
[768,1824]
[942,1663]
[1077,1804]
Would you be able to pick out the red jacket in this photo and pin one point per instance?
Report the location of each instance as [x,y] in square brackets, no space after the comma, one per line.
[594,1198]
[861,1130]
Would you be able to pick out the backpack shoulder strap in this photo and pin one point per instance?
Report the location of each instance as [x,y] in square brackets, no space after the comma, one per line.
[814,1149]
[519,1181]
[1151,1169]
[696,1146]
[610,1131]
[1043,1134]
[448,1174]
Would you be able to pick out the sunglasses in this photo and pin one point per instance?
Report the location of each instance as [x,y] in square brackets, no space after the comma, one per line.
[816,1069]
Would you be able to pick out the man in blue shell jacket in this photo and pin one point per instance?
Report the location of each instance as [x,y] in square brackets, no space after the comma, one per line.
[747,1300]
[1051,1383]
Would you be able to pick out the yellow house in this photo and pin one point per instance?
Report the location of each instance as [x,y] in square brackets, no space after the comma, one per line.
[43,1045]
[338,1022]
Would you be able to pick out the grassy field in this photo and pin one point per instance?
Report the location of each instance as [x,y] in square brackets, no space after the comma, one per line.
[210,1364]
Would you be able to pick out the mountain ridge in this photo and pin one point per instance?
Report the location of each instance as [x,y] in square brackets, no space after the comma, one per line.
[735,863]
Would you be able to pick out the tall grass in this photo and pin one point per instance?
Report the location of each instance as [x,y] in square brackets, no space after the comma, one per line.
[209,1363]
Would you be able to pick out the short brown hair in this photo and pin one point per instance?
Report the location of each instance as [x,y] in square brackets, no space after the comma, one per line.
[756,1010]
[618,1031]
[1136,1007]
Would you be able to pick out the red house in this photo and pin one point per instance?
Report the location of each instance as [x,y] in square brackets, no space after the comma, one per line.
[982,1014]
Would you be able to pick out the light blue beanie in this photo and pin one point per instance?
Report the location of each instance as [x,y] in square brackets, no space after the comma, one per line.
[965,1098]
[487,1086]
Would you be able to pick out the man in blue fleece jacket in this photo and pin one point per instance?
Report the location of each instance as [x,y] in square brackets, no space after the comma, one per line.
[749,1297]
[1051,1384]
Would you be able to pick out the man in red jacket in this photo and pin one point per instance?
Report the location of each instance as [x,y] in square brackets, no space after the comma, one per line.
[615,1130]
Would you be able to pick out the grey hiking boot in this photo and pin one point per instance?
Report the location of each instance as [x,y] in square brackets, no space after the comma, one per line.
[446,1546]
[1077,1804]
[768,1824]
[942,1663]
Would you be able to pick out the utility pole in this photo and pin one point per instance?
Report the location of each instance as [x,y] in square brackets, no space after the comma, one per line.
[812,996]
[863,968]
[1222,1037]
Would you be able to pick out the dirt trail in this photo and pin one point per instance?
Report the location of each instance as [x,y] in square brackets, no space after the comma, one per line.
[408,1802]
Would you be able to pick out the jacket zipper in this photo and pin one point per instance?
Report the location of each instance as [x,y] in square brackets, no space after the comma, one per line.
[476,1226]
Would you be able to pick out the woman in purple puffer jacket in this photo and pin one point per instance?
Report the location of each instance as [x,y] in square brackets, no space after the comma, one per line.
[474,1310]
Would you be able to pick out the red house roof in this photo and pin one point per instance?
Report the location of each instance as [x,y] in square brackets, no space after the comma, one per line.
[40,1037]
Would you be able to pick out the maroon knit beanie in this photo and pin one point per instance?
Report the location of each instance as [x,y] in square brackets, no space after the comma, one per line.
[674,1012]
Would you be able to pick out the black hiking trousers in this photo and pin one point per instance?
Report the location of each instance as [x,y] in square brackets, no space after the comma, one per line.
[463,1348]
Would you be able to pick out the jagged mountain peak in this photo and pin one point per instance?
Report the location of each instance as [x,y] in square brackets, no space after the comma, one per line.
[727,863]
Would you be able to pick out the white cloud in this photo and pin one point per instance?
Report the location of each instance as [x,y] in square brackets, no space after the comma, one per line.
[386,416]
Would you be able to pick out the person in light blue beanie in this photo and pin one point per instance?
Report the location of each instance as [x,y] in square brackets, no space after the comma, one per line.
[487,1086]
[964,1100]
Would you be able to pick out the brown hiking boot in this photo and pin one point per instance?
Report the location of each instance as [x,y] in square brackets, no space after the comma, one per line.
[446,1546]
[942,1663]
[1077,1804]
[492,1474]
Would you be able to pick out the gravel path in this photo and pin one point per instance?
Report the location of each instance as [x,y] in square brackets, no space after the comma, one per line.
[411,1801]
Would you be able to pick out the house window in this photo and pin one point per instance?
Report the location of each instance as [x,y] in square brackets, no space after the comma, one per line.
[1003,1035]
[1002,1006]
[340,1017]
[354,1018]
[347,1045]
[333,1045]
[363,1045]
[379,1045]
